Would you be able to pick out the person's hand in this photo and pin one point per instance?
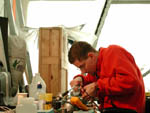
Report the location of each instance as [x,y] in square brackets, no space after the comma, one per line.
[76,83]
[89,91]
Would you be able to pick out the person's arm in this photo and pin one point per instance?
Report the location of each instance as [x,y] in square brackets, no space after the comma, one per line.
[126,75]
[85,79]
[88,83]
[90,91]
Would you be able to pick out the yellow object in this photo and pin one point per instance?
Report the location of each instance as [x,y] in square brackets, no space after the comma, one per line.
[41,96]
[76,101]
[48,101]
[147,94]
[48,97]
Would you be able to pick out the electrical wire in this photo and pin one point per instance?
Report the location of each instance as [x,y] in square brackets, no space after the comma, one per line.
[91,98]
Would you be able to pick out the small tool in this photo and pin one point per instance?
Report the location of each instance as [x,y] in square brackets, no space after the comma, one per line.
[92,98]
[65,93]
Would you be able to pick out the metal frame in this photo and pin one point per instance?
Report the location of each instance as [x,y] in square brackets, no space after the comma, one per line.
[130,1]
[105,11]
[101,20]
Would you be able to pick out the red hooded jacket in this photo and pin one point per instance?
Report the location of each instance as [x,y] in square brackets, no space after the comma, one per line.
[119,80]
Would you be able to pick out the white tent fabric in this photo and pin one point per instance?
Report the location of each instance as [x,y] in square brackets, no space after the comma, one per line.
[1,7]
[17,27]
[9,13]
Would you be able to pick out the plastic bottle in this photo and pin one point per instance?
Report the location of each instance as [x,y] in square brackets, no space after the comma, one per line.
[33,86]
[38,91]
[26,105]
[39,96]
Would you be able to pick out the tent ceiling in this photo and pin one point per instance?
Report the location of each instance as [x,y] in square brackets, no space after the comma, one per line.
[102,16]
[113,1]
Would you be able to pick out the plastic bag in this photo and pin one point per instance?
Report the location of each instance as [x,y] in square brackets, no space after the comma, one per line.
[17,60]
[76,34]
[33,86]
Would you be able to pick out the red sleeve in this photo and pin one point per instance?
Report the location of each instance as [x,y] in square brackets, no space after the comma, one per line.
[87,78]
[123,74]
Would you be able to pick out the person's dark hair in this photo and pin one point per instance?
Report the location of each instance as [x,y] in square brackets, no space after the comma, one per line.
[79,51]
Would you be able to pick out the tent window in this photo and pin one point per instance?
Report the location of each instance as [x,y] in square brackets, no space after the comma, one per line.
[128,25]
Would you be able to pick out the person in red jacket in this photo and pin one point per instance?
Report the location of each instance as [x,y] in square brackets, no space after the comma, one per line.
[112,75]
